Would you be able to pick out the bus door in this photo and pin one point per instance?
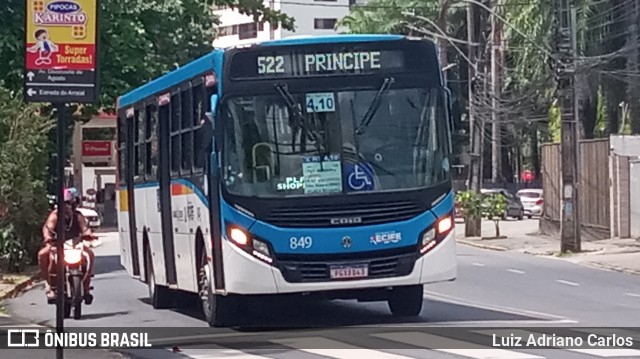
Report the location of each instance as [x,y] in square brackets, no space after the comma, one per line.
[164,191]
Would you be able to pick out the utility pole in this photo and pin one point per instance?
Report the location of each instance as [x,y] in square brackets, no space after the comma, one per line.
[496,139]
[566,46]
[473,225]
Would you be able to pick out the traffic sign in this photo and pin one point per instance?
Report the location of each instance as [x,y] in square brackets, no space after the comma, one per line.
[61,54]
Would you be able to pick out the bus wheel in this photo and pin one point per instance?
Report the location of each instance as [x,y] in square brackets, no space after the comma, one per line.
[406,301]
[160,296]
[218,310]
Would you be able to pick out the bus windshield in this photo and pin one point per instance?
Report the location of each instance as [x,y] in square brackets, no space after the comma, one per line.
[323,143]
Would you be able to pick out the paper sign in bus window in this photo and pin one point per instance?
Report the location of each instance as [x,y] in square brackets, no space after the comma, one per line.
[320,102]
[322,174]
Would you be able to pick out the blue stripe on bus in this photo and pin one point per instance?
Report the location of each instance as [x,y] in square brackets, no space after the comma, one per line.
[329,240]
[181,181]
[325,39]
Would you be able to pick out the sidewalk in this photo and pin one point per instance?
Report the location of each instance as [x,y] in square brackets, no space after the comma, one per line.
[621,255]
[7,322]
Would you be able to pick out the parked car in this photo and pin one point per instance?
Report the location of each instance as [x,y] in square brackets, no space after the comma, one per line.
[93,219]
[532,200]
[515,209]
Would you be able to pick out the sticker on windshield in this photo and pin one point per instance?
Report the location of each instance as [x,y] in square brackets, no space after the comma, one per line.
[290,184]
[320,102]
[360,177]
[322,174]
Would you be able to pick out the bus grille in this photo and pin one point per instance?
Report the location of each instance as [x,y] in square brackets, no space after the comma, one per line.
[313,271]
[321,215]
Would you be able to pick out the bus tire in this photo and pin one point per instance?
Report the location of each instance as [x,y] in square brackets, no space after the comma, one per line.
[218,310]
[160,296]
[406,301]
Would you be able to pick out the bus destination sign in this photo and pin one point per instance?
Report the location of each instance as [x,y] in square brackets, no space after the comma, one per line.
[270,63]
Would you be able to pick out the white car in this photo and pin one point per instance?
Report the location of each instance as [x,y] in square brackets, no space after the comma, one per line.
[532,200]
[93,219]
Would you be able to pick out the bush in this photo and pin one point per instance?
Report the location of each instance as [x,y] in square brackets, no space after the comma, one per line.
[494,207]
[23,164]
[471,204]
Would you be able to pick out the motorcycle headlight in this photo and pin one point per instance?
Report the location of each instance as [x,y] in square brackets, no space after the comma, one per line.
[72,256]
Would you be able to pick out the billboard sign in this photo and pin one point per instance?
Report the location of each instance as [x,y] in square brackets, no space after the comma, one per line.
[61,55]
[96,148]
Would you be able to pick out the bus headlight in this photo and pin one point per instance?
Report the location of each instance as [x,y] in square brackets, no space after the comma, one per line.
[436,233]
[239,236]
[245,241]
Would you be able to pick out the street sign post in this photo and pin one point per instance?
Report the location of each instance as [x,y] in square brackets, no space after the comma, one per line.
[61,67]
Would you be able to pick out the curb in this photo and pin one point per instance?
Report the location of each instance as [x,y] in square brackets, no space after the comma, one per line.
[19,287]
[483,246]
[610,267]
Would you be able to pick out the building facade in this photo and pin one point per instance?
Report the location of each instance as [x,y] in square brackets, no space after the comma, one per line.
[312,17]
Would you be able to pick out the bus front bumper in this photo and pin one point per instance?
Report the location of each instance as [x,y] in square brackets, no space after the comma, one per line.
[247,275]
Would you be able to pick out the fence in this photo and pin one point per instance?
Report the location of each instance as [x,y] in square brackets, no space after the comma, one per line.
[593,189]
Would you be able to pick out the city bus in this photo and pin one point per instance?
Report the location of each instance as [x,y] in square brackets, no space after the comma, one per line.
[311,166]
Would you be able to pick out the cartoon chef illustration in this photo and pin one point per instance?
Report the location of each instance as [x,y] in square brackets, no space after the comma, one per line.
[44,46]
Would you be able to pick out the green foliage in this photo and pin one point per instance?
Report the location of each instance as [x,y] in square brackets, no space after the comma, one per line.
[600,129]
[23,160]
[554,122]
[495,207]
[471,204]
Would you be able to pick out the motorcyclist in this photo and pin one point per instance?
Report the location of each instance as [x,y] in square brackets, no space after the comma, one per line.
[75,227]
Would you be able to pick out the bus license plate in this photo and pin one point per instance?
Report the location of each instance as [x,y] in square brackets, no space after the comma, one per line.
[351,271]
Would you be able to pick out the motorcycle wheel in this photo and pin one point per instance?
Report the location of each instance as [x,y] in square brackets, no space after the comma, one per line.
[76,284]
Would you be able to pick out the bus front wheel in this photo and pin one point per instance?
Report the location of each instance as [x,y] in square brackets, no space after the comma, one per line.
[219,311]
[406,301]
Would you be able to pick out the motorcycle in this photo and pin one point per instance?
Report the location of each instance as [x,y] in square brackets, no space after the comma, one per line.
[75,272]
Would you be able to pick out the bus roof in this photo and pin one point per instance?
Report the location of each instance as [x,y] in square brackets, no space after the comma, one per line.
[205,63]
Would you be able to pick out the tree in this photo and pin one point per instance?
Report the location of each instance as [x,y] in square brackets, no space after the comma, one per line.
[495,208]
[23,159]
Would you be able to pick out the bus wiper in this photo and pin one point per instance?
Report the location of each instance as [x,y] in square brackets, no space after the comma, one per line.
[375,104]
[300,120]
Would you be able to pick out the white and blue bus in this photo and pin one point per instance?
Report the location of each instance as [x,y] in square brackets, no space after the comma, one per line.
[302,166]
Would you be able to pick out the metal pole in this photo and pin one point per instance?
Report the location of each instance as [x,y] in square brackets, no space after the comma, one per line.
[61,109]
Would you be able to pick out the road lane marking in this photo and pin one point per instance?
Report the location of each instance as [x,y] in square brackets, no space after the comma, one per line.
[633,295]
[503,309]
[341,351]
[218,354]
[608,353]
[421,340]
[567,282]
[191,338]
[515,271]
[478,264]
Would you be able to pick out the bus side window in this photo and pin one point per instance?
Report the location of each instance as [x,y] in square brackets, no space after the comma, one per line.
[176,122]
[200,109]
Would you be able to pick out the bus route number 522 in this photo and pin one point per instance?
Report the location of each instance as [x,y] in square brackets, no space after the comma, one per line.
[270,64]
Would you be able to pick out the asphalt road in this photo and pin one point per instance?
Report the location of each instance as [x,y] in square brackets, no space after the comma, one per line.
[493,289]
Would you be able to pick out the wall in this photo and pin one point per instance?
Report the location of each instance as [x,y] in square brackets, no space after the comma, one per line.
[593,190]
[306,13]
[625,145]
[634,198]
[303,11]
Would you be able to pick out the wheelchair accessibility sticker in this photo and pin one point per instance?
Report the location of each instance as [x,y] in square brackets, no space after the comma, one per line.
[360,177]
